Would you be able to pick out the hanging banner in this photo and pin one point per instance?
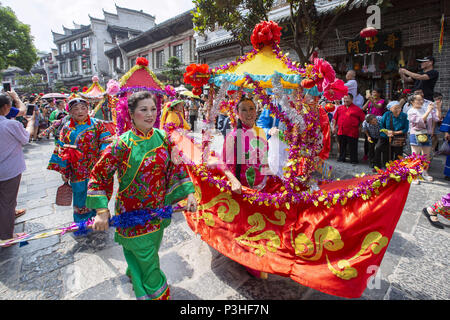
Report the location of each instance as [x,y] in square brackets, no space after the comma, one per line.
[381,42]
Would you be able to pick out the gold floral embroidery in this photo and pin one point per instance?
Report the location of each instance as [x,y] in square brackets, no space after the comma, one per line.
[258,223]
[374,241]
[324,238]
[227,211]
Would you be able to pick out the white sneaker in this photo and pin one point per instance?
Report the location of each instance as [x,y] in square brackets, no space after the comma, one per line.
[416,181]
[426,176]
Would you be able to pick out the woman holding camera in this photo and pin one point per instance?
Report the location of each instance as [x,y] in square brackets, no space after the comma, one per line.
[421,129]
[12,163]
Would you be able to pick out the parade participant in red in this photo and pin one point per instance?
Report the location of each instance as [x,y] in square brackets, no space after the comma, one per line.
[82,139]
[346,122]
[149,182]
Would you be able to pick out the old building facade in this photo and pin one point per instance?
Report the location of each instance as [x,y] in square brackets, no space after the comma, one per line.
[409,29]
[173,37]
[81,51]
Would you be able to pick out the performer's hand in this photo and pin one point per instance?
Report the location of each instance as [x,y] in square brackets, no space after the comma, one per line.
[236,186]
[101,222]
[390,133]
[64,178]
[274,131]
[191,203]
[447,136]
[370,139]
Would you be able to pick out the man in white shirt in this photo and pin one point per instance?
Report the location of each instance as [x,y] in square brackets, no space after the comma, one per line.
[352,86]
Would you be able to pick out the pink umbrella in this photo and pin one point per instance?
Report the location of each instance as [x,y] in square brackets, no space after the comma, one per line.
[54,96]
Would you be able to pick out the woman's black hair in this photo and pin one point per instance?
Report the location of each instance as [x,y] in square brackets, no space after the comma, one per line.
[134,99]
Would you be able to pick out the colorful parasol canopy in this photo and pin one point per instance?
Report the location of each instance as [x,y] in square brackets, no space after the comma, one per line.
[261,65]
[54,96]
[189,94]
[141,76]
[95,92]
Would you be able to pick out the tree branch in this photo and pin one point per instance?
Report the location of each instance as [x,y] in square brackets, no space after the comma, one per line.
[333,21]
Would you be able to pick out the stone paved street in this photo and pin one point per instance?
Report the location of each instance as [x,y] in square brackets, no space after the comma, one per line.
[415,266]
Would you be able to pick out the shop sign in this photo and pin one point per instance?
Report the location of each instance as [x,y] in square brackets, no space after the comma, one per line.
[381,42]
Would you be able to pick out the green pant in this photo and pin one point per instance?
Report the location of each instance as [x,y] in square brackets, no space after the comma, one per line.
[141,254]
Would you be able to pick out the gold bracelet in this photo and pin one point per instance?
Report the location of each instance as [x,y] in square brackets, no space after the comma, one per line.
[101,211]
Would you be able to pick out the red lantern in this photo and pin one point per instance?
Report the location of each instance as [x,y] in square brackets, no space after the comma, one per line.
[308,83]
[368,33]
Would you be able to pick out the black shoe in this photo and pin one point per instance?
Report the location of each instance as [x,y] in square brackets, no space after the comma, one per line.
[447,178]
[340,160]
[436,224]
[354,162]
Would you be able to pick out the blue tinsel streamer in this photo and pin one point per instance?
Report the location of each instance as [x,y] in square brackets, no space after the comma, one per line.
[130,219]
[82,228]
[140,217]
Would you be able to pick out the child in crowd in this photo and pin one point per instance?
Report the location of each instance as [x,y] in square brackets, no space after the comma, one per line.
[371,128]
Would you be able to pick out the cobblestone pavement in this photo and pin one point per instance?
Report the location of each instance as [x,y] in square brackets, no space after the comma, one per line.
[415,265]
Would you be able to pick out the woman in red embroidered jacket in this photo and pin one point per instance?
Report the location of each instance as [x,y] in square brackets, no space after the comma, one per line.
[81,141]
[149,184]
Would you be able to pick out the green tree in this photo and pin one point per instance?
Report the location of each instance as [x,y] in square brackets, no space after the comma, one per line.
[60,87]
[174,73]
[308,28]
[30,84]
[16,43]
[237,16]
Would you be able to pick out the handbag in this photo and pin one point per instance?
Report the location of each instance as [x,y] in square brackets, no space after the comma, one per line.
[397,140]
[422,138]
[445,149]
[64,195]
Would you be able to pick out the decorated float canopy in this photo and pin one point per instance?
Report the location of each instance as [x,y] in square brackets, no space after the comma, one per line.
[95,92]
[265,62]
[138,78]
[261,65]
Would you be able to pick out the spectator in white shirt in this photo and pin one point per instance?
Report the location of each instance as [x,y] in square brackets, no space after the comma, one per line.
[352,86]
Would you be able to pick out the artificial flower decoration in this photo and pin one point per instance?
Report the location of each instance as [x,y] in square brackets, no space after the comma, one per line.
[197,91]
[170,91]
[112,87]
[142,62]
[41,94]
[85,89]
[197,75]
[326,72]
[266,33]
[74,89]
[335,91]
[329,107]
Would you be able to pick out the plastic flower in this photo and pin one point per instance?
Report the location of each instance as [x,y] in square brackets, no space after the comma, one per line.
[326,73]
[142,62]
[197,74]
[112,87]
[266,33]
[170,91]
[335,91]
